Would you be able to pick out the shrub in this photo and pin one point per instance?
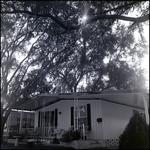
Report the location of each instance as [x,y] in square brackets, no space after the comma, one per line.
[76,135]
[136,134]
[56,141]
[30,144]
[71,135]
[66,137]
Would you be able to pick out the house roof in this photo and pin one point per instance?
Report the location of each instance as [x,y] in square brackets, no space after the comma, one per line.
[134,99]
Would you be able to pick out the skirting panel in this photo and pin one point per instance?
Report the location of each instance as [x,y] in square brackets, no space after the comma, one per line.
[111,142]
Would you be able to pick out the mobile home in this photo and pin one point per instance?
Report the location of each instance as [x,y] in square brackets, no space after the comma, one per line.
[101,116]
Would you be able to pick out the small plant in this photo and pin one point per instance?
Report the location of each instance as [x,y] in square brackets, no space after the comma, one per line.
[76,135]
[56,141]
[135,135]
[30,144]
[22,136]
[71,135]
[66,137]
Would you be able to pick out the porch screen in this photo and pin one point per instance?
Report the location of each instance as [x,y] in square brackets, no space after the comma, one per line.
[27,120]
[47,119]
[47,122]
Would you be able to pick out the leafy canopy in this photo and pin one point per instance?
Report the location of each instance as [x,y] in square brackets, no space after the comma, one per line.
[47,47]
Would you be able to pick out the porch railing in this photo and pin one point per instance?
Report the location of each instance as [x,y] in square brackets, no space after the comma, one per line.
[49,132]
[45,131]
[84,132]
[80,128]
[27,130]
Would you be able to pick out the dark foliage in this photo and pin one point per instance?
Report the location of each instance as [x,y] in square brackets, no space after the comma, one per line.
[71,135]
[67,51]
[56,141]
[136,134]
[76,135]
[66,137]
[30,144]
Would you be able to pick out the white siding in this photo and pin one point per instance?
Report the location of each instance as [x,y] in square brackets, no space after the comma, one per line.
[96,132]
[64,119]
[115,118]
[64,108]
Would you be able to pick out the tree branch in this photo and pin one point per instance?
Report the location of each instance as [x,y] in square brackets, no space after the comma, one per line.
[38,15]
[24,59]
[46,68]
[97,81]
[121,7]
[99,17]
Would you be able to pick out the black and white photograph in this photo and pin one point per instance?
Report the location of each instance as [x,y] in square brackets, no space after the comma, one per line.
[74,74]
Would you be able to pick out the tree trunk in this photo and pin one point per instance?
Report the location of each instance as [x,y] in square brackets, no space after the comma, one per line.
[3,121]
[75,89]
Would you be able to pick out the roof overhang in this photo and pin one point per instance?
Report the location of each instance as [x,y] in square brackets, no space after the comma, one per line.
[37,102]
[42,100]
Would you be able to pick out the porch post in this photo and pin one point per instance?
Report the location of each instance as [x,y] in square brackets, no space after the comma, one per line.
[77,112]
[74,113]
[27,121]
[21,116]
[9,123]
[44,122]
[83,132]
[146,110]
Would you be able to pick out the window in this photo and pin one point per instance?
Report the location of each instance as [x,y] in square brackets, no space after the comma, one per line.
[81,115]
[18,121]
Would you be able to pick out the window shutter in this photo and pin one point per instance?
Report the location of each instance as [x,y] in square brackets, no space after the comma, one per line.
[72,116]
[39,118]
[56,116]
[89,116]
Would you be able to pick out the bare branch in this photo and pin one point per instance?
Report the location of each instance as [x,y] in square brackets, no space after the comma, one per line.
[99,17]
[39,15]
[24,59]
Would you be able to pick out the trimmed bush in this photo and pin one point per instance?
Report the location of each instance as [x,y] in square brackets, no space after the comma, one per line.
[30,144]
[76,135]
[66,137]
[136,134]
[56,141]
[71,135]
